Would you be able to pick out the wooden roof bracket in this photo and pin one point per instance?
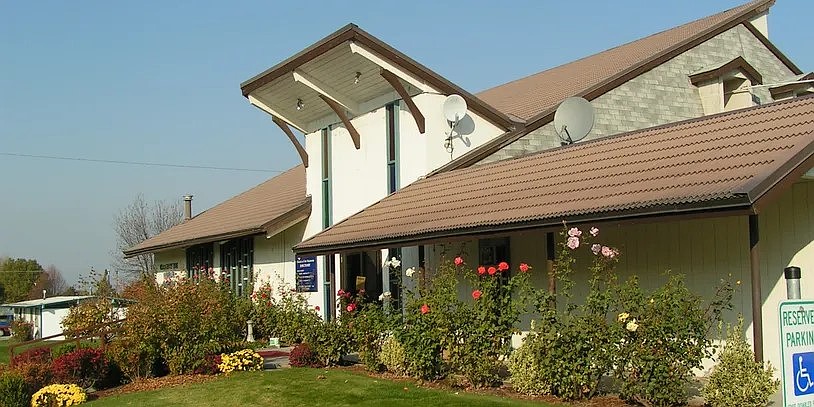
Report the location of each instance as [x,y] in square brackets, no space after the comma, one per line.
[287,130]
[354,135]
[393,80]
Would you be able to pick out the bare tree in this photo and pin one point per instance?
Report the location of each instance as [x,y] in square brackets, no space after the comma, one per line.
[136,223]
[56,283]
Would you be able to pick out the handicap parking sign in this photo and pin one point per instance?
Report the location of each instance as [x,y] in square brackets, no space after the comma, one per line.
[803,367]
[796,319]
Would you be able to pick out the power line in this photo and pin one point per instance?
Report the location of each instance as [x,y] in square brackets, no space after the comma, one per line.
[146,164]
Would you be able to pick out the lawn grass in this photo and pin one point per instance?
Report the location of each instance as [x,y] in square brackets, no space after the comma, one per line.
[305,387]
[4,344]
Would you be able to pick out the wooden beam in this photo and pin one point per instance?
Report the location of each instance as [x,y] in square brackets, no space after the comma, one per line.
[382,63]
[354,135]
[391,78]
[274,113]
[325,89]
[300,150]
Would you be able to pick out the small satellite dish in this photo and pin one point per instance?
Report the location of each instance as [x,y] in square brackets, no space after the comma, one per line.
[454,108]
[573,119]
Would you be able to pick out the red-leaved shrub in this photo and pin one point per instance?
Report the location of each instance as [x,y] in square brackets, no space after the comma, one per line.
[84,367]
[302,356]
[38,355]
[209,366]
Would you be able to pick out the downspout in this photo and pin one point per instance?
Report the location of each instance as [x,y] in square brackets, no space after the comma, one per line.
[757,295]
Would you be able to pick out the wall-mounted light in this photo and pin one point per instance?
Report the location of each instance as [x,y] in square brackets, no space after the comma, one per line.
[356,77]
[300,105]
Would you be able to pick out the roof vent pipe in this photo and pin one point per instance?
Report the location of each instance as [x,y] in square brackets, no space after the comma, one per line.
[187,207]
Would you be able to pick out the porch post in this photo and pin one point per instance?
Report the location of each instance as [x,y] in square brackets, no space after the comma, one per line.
[552,278]
[757,295]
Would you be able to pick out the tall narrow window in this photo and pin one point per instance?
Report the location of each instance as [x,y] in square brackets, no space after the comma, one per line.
[237,261]
[326,178]
[199,260]
[392,147]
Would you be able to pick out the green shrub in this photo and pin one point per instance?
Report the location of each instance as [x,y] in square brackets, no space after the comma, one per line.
[527,369]
[367,323]
[329,341]
[392,356]
[566,358]
[666,336]
[13,390]
[178,324]
[737,379]
[21,331]
[650,342]
[60,350]
[35,375]
[282,313]
[84,319]
[137,358]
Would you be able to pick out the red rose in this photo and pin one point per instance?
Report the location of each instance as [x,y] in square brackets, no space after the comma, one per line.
[316,308]
[492,271]
[351,307]
[524,267]
[425,309]
[459,261]
[476,294]
[503,266]
[481,270]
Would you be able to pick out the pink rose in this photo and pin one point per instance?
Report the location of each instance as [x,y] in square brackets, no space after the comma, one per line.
[459,261]
[573,242]
[596,248]
[608,252]
[594,232]
[574,232]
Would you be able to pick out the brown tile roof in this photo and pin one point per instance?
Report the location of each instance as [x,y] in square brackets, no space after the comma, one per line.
[266,208]
[721,162]
[529,96]
[535,97]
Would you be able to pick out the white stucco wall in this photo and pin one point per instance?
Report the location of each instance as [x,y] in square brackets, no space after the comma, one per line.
[359,177]
[170,257]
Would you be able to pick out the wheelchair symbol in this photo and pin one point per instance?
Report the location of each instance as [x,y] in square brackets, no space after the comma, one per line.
[802,379]
[802,366]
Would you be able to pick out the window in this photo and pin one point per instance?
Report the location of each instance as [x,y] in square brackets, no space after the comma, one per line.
[200,258]
[237,261]
[494,251]
[326,178]
[392,147]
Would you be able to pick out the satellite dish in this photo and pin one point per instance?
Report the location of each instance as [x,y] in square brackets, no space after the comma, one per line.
[574,119]
[454,108]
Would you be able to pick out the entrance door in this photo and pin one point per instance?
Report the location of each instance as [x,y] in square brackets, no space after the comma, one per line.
[362,271]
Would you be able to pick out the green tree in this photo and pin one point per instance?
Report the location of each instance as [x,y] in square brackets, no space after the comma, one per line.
[17,277]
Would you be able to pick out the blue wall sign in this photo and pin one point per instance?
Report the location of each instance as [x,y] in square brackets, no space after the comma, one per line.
[306,267]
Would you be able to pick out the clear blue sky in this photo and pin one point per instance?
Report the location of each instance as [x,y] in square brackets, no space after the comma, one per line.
[159,82]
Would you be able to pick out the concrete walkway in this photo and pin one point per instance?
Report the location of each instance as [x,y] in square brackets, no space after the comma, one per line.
[275,358]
